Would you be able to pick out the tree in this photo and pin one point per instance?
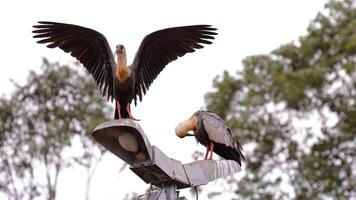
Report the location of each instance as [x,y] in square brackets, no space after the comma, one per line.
[295,109]
[40,123]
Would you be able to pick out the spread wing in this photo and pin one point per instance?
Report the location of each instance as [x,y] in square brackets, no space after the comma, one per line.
[88,46]
[161,47]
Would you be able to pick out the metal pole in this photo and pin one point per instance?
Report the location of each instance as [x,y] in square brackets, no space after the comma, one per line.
[166,193]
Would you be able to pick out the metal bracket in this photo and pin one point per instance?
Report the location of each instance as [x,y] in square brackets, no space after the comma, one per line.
[126,139]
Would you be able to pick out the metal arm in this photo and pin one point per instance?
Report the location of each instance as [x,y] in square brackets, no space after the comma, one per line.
[126,139]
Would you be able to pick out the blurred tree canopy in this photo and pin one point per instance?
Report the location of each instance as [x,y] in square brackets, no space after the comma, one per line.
[295,111]
[40,125]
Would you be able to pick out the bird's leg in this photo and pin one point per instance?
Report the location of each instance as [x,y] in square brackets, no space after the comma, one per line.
[118,107]
[207,152]
[211,151]
[128,109]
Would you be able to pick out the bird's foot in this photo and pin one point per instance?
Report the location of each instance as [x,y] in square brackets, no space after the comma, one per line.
[134,118]
[128,108]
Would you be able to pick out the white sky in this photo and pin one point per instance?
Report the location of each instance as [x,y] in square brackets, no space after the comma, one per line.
[245,28]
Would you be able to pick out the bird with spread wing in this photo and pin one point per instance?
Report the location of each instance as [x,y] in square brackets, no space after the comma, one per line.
[211,131]
[119,81]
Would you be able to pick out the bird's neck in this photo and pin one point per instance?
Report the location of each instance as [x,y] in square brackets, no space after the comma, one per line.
[122,71]
[190,124]
[121,59]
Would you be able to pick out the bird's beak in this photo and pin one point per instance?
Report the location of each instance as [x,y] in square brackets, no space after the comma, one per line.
[189,134]
[185,134]
[181,136]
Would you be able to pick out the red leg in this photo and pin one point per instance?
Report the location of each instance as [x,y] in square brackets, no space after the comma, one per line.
[118,107]
[207,152]
[211,151]
[128,108]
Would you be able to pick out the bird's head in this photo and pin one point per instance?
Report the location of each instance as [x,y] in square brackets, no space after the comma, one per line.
[119,49]
[184,127]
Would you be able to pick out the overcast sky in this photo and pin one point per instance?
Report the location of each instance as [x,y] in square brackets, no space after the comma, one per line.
[244,27]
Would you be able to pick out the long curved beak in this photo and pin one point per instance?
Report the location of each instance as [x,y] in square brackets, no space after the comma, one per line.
[185,134]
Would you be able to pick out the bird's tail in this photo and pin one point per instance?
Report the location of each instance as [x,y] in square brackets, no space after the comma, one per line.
[228,153]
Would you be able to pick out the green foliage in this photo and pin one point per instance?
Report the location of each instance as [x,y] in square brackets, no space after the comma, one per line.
[270,103]
[40,122]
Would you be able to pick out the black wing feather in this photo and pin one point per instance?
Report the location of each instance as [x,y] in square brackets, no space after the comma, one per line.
[229,147]
[88,46]
[161,47]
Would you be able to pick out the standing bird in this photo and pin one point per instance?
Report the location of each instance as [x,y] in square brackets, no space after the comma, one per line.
[120,81]
[211,131]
